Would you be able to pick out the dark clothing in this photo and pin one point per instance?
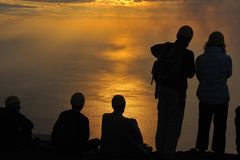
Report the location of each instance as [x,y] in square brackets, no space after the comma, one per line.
[178,79]
[178,63]
[170,118]
[71,132]
[120,136]
[237,124]
[213,69]
[217,112]
[15,130]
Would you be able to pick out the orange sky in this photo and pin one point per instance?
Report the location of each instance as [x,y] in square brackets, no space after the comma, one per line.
[50,50]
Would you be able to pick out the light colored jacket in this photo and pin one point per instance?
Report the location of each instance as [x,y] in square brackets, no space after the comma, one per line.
[213,68]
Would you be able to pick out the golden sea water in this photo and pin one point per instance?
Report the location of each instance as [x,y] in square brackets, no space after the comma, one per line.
[103,51]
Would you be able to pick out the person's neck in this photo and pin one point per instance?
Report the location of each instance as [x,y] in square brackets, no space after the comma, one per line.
[180,44]
[12,108]
[117,113]
[75,110]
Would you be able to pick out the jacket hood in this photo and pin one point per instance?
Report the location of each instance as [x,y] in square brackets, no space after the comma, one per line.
[173,53]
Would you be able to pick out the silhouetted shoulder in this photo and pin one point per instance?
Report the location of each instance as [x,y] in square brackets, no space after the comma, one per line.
[133,121]
[110,116]
[160,48]
[2,113]
[64,114]
[71,113]
[25,122]
[189,52]
[107,114]
[2,110]
[84,118]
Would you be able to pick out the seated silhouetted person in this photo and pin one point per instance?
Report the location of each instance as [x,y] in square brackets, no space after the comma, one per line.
[121,136]
[15,128]
[237,123]
[71,131]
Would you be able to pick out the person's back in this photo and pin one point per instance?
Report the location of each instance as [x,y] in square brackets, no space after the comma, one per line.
[213,70]
[120,135]
[71,131]
[15,128]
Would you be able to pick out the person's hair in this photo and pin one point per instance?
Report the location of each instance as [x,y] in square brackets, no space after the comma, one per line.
[185,31]
[216,39]
[207,44]
[12,101]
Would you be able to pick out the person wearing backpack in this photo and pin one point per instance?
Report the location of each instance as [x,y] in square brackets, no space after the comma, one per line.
[71,131]
[213,69]
[174,65]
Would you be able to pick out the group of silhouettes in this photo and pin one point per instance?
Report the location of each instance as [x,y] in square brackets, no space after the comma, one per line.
[121,136]
[175,64]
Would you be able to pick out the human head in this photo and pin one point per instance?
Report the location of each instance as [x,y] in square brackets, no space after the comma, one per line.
[118,104]
[77,101]
[13,102]
[184,35]
[216,38]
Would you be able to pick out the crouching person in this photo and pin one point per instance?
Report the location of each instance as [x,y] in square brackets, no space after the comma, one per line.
[121,137]
[15,128]
[70,133]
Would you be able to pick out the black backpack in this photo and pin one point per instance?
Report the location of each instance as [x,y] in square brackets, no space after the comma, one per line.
[163,68]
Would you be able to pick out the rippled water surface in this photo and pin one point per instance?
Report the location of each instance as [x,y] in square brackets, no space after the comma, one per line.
[48,52]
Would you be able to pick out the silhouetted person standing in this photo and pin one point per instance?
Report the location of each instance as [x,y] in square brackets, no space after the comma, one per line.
[213,68]
[71,131]
[15,128]
[176,65]
[121,136]
[237,124]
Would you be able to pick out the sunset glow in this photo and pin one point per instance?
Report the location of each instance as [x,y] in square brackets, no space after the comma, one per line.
[50,49]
